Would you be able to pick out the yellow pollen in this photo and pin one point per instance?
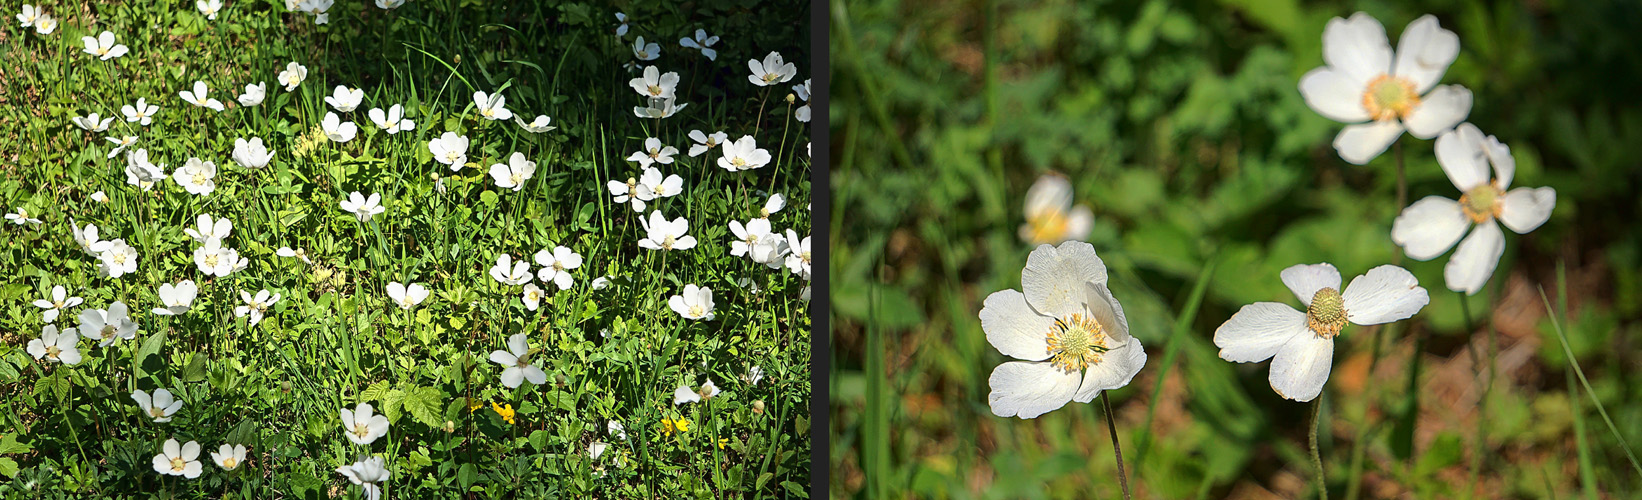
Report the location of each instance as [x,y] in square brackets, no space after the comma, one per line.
[1481,203]
[668,243]
[738,162]
[156,412]
[655,90]
[1327,314]
[53,351]
[361,430]
[518,179]
[229,463]
[1388,97]
[200,177]
[1076,342]
[178,464]
[1048,227]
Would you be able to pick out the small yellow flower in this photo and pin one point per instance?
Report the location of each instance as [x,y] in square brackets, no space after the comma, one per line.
[722,442]
[669,425]
[505,411]
[473,405]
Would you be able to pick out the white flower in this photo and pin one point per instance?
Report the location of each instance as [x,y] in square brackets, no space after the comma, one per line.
[87,239]
[701,42]
[345,100]
[450,149]
[654,84]
[1301,344]
[620,30]
[754,375]
[361,427]
[532,296]
[798,254]
[99,196]
[556,266]
[338,130]
[45,25]
[361,207]
[1066,329]
[743,154]
[663,235]
[1379,93]
[645,51]
[142,112]
[1430,226]
[251,154]
[393,122]
[56,346]
[1050,216]
[492,107]
[196,176]
[318,8]
[293,75]
[92,122]
[684,395]
[160,407]
[600,282]
[118,259]
[772,71]
[209,229]
[596,449]
[139,172]
[653,152]
[694,303]
[177,460]
[197,97]
[537,126]
[516,363]
[255,307]
[229,457]
[515,173]
[367,473]
[107,327]
[298,253]
[177,299]
[652,184]
[658,108]
[103,47]
[253,94]
[407,297]
[772,205]
[615,429]
[803,91]
[120,144]
[748,236]
[389,4]
[705,142]
[210,8]
[21,216]
[508,273]
[31,14]
[215,260]
[769,250]
[60,301]
[629,192]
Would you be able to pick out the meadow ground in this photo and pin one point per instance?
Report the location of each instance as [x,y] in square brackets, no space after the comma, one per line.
[1179,124]
[359,264]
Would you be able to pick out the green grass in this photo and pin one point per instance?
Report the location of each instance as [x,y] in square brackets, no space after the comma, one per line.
[335,339]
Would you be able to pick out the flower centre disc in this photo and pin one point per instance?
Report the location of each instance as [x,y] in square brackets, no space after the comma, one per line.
[156,412]
[53,351]
[1327,314]
[668,243]
[697,311]
[1481,203]
[361,430]
[109,331]
[229,463]
[1048,226]
[177,464]
[1076,342]
[1389,97]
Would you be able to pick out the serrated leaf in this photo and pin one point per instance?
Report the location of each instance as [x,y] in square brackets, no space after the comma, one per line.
[8,467]
[423,405]
[391,404]
[10,446]
[375,392]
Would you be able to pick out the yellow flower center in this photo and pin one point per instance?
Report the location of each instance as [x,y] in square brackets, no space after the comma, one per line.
[108,331]
[156,412]
[361,430]
[771,77]
[200,177]
[1327,314]
[211,260]
[53,351]
[655,90]
[178,464]
[1076,342]
[1481,203]
[518,178]
[738,161]
[229,463]
[1390,97]
[668,242]
[697,311]
[1048,227]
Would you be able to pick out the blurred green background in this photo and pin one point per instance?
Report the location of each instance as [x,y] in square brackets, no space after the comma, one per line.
[1180,124]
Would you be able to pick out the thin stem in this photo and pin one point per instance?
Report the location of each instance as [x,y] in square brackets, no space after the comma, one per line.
[1316,457]
[1482,405]
[1117,449]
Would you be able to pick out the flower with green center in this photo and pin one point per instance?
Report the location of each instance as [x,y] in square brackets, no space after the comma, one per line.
[1300,345]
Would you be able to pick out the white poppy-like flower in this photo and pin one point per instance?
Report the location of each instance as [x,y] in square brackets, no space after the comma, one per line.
[600,282]
[159,407]
[645,51]
[229,457]
[663,235]
[254,94]
[772,205]
[179,460]
[407,296]
[31,14]
[705,142]
[654,84]
[532,296]
[210,229]
[1050,216]
[299,253]
[1301,344]
[1432,225]
[803,91]
[176,299]
[99,196]
[87,238]
[103,47]
[596,449]
[684,394]
[1378,93]
[393,122]
[516,364]
[196,176]
[338,130]
[389,4]
[60,300]
[120,144]
[209,8]
[537,126]
[318,8]
[629,192]
[771,71]
[621,30]
[658,108]
[361,426]
[653,152]
[769,249]
[252,154]
[754,375]
[118,260]
[798,254]
[140,172]
[694,303]
[1066,330]
[492,107]
[108,326]
[293,75]
[363,208]
[743,154]
[748,235]
[344,99]
[701,42]
[450,149]
[255,307]
[197,97]
[213,259]
[655,186]
[368,473]
[142,112]
[515,173]
[45,25]
[508,273]
[556,265]
[62,347]
[21,216]
[92,122]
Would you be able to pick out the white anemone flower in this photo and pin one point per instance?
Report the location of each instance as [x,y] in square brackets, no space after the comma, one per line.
[1301,344]
[45,25]
[748,235]
[31,14]
[509,273]
[701,42]
[537,126]
[142,112]
[772,205]
[199,98]
[596,449]
[60,300]
[62,347]
[179,460]
[771,71]
[621,30]
[338,130]
[209,229]
[120,144]
[196,176]
[159,407]
[368,473]
[770,250]
[658,108]
[21,216]
[653,152]
[88,239]
[615,429]
[803,91]
[743,154]
[1065,328]
[629,192]
[705,142]
[229,457]
[407,296]
[92,122]
[798,254]
[516,364]
[1050,216]
[1432,225]
[492,107]
[694,303]
[556,265]
[108,326]
[1378,93]
[299,253]
[176,299]
[213,259]
[389,4]
[293,75]
[344,99]
[684,394]
[252,153]
[393,121]
[254,94]
[255,306]
[140,172]
[361,207]
[362,426]
[657,187]
[450,149]
[600,282]
[663,235]
[645,51]
[654,84]
[754,375]
[103,46]
[532,296]
[209,8]
[119,260]
[514,174]
[99,196]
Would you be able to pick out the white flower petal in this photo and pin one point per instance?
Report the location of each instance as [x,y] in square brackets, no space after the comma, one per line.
[1438,111]
[1301,367]
[1258,331]
[1306,279]
[1424,52]
[1116,368]
[1382,295]
[1334,95]
[1473,263]
[1524,209]
[1429,227]
[1014,328]
[1360,143]
[1027,389]
[1054,278]
[1357,47]
[1460,156]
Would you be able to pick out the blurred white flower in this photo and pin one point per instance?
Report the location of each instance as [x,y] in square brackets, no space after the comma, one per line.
[108,326]
[61,347]
[344,99]
[196,176]
[103,47]
[363,208]
[508,273]
[532,296]
[658,108]
[176,299]
[515,173]
[693,303]
[99,196]
[754,375]
[629,192]
[361,426]
[743,154]
[255,306]
[45,25]
[389,4]
[159,407]
[142,112]
[198,97]
[30,14]
[798,254]
[175,460]
[210,8]
[297,253]
[747,236]
[653,152]
[254,94]
[517,367]
[772,205]
[685,395]
[654,84]
[21,216]
[705,142]
[368,474]
[771,71]
[556,265]
[1050,216]
[600,282]
[140,172]
[615,429]
[621,30]
[338,130]
[120,144]
[251,154]
[87,238]
[407,296]
[213,259]
[803,91]
[118,259]
[660,234]
[229,457]
[655,186]
[209,229]
[645,51]
[769,249]
[393,121]
[92,122]
[492,107]
[450,149]
[537,126]
[293,75]
[595,449]
[701,42]
[60,300]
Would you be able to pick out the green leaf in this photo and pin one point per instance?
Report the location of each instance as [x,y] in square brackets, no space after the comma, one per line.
[8,467]
[423,403]
[375,392]
[10,446]
[195,371]
[467,475]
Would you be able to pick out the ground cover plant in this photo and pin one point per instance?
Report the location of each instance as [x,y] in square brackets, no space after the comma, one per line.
[429,249]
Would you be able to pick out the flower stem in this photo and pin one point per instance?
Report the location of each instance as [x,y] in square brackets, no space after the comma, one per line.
[1117,449]
[1317,458]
